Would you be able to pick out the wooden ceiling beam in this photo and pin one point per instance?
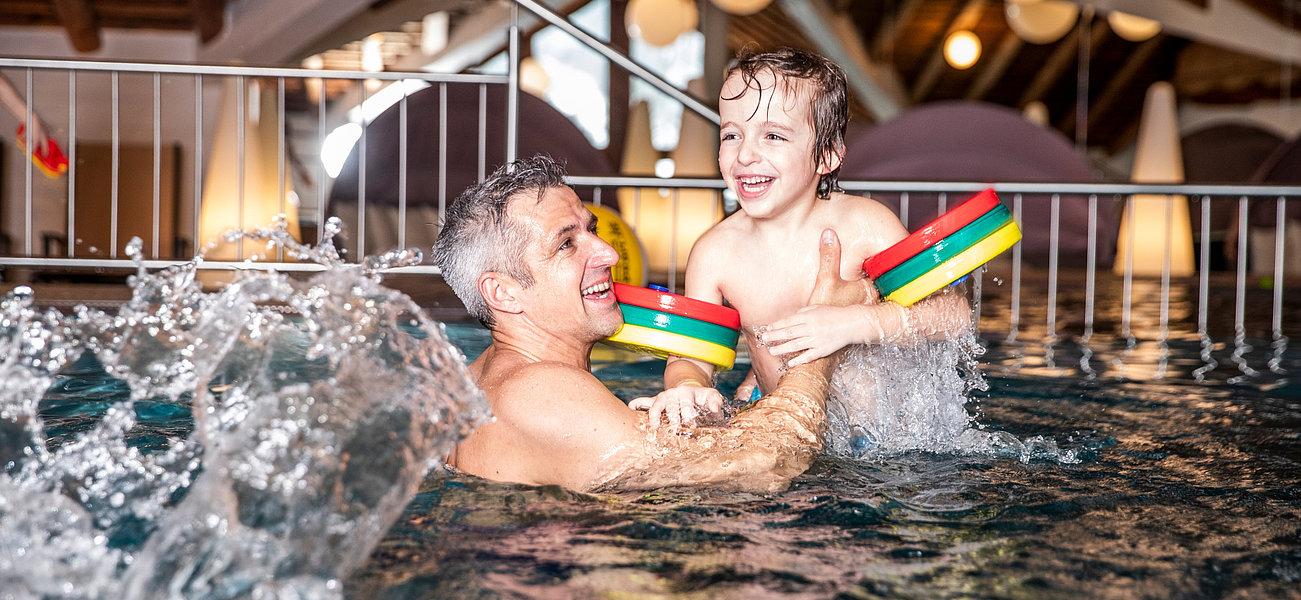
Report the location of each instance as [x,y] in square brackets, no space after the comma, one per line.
[995,66]
[966,19]
[1137,63]
[1061,59]
[890,36]
[78,18]
[209,18]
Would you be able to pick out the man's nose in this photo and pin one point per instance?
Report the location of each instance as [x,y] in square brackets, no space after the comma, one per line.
[603,254]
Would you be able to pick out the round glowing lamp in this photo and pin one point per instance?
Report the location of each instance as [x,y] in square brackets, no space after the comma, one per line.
[742,8]
[660,22]
[962,49]
[1133,27]
[1041,21]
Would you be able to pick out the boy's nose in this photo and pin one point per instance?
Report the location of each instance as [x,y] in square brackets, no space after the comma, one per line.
[746,153]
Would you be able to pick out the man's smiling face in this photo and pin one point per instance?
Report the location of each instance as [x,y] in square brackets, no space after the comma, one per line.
[571,293]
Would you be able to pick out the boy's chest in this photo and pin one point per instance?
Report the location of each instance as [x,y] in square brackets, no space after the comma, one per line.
[767,284]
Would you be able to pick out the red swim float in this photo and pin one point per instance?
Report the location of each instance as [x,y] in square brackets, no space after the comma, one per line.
[942,227]
[678,305]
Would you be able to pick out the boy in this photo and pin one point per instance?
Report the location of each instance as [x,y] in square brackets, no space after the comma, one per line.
[781,144]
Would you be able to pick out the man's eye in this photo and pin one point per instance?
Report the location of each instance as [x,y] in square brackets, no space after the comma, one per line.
[567,244]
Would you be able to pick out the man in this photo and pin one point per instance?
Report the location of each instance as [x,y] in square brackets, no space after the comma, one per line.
[521,251]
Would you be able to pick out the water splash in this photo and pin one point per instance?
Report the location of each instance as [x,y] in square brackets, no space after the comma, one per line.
[311,434]
[889,398]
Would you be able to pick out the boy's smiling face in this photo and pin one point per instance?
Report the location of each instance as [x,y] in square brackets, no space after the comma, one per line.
[765,150]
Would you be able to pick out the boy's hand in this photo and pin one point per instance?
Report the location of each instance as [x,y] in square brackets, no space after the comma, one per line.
[681,405]
[813,332]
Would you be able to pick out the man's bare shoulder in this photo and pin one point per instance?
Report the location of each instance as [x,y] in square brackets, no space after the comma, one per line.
[543,396]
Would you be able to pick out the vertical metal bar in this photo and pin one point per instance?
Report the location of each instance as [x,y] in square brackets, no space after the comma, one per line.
[673,244]
[1240,347]
[158,160]
[442,149]
[1280,229]
[402,169]
[72,164]
[512,86]
[1127,294]
[239,157]
[943,203]
[1165,268]
[636,209]
[1054,231]
[280,157]
[903,209]
[112,233]
[1091,267]
[1279,340]
[1239,311]
[320,164]
[198,158]
[1204,260]
[1015,319]
[361,176]
[483,130]
[28,143]
[596,196]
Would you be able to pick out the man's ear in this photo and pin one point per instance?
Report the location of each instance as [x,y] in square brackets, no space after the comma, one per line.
[500,292]
[831,160]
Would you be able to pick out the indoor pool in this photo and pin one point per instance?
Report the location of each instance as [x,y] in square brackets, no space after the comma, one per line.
[1183,483]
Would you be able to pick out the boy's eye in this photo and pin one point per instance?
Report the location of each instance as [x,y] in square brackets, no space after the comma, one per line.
[774,136]
[728,136]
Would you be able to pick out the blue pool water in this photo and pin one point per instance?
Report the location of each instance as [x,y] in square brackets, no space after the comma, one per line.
[1188,485]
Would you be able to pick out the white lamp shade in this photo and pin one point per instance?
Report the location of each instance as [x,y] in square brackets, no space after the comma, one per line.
[1158,228]
[659,22]
[1133,27]
[742,7]
[1041,21]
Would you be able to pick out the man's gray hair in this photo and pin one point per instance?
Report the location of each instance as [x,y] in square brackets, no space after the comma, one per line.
[478,237]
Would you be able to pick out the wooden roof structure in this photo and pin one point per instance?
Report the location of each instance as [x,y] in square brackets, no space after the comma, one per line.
[83,19]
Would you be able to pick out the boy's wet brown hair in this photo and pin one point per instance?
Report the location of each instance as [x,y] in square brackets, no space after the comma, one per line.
[830,102]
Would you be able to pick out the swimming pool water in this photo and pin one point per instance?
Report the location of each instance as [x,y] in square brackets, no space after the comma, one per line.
[1186,490]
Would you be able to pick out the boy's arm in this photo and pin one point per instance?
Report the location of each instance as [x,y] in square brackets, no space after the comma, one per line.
[688,383]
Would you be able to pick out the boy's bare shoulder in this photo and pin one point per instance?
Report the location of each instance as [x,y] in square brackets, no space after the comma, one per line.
[722,237]
[863,209]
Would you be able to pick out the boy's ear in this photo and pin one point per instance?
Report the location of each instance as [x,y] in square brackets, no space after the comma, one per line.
[831,160]
[500,292]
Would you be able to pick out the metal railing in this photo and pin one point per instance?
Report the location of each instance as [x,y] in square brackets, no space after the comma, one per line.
[202,74]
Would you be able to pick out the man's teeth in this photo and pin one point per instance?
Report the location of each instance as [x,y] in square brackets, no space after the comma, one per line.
[596,289]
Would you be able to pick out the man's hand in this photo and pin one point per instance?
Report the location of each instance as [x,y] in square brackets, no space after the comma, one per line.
[681,405]
[827,324]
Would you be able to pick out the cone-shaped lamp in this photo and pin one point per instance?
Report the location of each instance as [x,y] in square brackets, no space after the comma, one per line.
[1154,223]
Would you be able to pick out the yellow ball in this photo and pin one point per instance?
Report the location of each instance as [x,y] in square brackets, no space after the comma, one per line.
[631,268]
